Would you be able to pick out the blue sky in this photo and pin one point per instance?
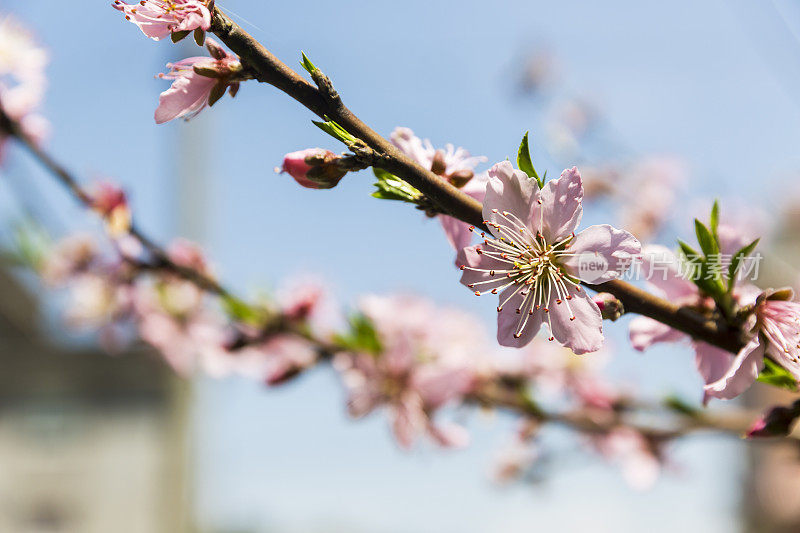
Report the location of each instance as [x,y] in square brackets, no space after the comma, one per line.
[713,82]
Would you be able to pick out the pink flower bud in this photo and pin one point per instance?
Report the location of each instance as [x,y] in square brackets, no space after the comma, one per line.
[610,307]
[777,422]
[313,168]
[110,202]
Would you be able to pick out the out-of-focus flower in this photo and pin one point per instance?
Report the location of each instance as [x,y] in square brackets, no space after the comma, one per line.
[426,361]
[536,261]
[161,18]
[666,279]
[69,257]
[655,181]
[639,458]
[775,333]
[198,82]
[22,79]
[454,165]
[110,202]
[313,168]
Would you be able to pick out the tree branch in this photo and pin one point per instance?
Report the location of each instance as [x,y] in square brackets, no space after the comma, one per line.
[269,69]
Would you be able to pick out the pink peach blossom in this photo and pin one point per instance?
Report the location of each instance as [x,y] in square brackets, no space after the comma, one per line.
[454,165]
[191,91]
[412,376]
[536,261]
[161,18]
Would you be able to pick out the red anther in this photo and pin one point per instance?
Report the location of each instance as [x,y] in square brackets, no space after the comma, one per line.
[519,311]
[471,285]
[550,339]
[483,234]
[546,310]
[477,293]
[558,302]
[517,335]
[504,256]
[578,289]
[462,267]
[499,308]
[569,297]
[494,211]
[491,272]
[479,251]
[572,318]
[494,291]
[539,201]
[530,312]
[472,228]
[537,306]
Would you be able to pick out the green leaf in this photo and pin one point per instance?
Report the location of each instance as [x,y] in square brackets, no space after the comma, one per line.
[714,222]
[362,337]
[307,64]
[777,376]
[336,131]
[736,261]
[390,187]
[681,406]
[708,244]
[524,161]
[241,311]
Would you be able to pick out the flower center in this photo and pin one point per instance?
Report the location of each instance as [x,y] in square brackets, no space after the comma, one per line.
[532,268]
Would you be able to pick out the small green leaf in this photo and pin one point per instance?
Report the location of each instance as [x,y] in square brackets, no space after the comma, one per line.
[736,261]
[777,376]
[307,64]
[390,187]
[336,131]
[242,312]
[524,161]
[690,253]
[706,240]
[680,406]
[714,222]
[362,337]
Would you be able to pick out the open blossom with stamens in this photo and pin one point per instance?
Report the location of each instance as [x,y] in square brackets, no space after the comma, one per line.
[161,18]
[198,82]
[775,334]
[535,261]
[454,165]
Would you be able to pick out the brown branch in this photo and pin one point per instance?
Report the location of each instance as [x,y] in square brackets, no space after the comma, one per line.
[161,258]
[327,104]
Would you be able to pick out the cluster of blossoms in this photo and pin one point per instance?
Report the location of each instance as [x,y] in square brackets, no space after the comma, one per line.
[22,79]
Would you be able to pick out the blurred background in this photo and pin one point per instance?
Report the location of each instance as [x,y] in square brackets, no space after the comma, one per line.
[91,442]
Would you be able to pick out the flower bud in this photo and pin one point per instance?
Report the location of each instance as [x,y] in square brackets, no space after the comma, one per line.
[313,168]
[110,202]
[610,307]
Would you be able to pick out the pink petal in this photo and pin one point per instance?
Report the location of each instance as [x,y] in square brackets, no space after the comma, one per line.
[187,95]
[449,435]
[409,421]
[469,257]
[712,363]
[561,204]
[576,323]
[508,321]
[742,372]
[644,332]
[458,234]
[601,245]
[439,385]
[511,190]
